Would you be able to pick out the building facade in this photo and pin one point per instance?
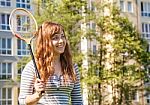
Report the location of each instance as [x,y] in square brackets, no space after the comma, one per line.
[138,12]
[11,50]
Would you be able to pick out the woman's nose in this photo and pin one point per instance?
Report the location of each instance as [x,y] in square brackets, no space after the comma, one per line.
[60,40]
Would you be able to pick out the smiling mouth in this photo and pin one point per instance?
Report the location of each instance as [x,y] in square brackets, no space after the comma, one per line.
[60,46]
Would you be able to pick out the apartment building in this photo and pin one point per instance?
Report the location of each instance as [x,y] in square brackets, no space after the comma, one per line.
[11,50]
[138,12]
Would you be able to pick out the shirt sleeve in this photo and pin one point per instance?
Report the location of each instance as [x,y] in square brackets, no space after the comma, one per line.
[27,82]
[76,98]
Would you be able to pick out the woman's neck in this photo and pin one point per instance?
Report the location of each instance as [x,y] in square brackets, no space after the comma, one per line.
[56,59]
[57,66]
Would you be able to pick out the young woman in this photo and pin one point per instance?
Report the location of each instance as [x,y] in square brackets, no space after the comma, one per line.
[60,79]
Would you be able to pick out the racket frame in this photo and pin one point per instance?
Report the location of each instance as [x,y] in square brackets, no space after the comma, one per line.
[27,40]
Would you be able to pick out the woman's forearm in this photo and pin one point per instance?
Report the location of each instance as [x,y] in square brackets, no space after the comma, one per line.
[32,99]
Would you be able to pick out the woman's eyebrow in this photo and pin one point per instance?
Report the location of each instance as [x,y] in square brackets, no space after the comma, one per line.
[56,34]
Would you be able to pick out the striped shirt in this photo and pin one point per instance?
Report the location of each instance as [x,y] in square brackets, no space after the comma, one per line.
[56,93]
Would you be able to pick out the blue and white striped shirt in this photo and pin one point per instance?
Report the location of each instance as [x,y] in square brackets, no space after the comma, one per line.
[56,92]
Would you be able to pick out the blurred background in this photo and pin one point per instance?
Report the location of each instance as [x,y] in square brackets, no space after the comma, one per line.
[109,39]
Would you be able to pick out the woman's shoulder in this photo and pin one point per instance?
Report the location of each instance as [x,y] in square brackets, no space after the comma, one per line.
[29,67]
[77,72]
[30,64]
[76,69]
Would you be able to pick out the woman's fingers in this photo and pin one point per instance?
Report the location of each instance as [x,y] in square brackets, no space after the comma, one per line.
[39,85]
[39,80]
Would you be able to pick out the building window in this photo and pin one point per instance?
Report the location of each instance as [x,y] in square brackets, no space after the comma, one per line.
[91,25]
[5,70]
[146,30]
[130,6]
[148,98]
[22,48]
[4,21]
[5,3]
[93,8]
[148,48]
[135,95]
[23,4]
[21,64]
[148,71]
[88,25]
[20,23]
[122,6]
[145,9]
[5,46]
[94,49]
[5,96]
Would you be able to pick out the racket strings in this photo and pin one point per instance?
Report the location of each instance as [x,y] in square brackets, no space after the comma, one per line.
[23,24]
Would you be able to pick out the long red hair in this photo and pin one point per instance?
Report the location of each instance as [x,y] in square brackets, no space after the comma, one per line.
[44,53]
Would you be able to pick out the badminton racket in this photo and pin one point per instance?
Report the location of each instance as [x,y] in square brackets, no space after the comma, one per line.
[23,25]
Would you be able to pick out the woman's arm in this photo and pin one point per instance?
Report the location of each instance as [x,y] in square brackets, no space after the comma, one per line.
[32,99]
[76,98]
[27,96]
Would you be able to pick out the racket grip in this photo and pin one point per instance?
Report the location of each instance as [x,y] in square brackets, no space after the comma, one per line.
[42,92]
[36,69]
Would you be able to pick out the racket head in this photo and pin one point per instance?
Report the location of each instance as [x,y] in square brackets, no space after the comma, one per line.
[22,24]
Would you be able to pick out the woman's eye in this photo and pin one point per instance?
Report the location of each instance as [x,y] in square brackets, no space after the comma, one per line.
[55,38]
[62,36]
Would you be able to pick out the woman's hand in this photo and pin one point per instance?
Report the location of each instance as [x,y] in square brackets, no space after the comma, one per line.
[39,87]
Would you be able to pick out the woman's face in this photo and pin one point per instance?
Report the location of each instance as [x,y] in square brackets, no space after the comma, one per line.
[59,43]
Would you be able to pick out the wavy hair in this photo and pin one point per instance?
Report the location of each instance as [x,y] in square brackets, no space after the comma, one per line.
[44,52]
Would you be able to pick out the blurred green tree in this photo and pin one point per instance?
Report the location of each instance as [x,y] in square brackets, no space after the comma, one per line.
[118,68]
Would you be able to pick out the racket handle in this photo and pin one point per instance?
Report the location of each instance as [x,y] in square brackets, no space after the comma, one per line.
[42,92]
[36,70]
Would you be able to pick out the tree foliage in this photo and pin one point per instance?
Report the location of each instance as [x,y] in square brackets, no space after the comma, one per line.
[121,59]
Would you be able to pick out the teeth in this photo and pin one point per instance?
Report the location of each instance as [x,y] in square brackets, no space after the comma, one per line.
[59,46]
